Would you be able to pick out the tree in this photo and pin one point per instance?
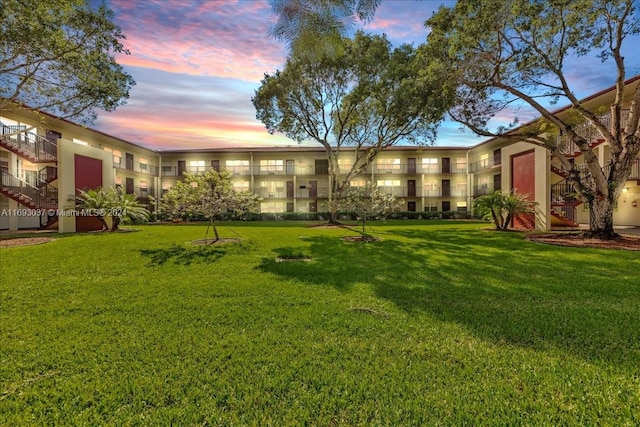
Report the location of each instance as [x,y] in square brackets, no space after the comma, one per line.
[124,207]
[364,98]
[95,202]
[58,56]
[316,25]
[114,202]
[502,209]
[496,53]
[207,196]
[367,202]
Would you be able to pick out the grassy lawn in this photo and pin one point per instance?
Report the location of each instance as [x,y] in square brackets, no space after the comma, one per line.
[436,324]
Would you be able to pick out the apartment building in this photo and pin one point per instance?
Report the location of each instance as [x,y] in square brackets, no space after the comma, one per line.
[44,162]
[296,179]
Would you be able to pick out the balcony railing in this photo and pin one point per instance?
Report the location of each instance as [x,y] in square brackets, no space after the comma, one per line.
[484,189]
[484,164]
[419,169]
[121,163]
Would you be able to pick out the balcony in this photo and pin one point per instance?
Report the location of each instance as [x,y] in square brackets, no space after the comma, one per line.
[484,189]
[419,169]
[144,168]
[485,164]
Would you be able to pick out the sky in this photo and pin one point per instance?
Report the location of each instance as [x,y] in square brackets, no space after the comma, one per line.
[197,63]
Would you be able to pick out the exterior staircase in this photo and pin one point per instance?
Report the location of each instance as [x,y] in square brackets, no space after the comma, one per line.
[40,196]
[29,146]
[42,200]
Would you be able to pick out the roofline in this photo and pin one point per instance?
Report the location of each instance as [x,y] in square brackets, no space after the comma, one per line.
[310,149]
[54,117]
[303,149]
[560,110]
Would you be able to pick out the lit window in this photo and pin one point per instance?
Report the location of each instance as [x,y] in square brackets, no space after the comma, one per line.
[272,207]
[357,183]
[143,184]
[144,164]
[388,164]
[430,165]
[241,185]
[345,165]
[388,183]
[271,165]
[80,142]
[196,166]
[484,161]
[237,167]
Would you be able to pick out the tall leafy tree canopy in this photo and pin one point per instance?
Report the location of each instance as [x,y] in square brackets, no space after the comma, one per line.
[365,96]
[495,53]
[58,56]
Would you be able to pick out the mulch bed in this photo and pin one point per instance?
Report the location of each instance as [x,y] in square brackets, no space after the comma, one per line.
[627,243]
[24,241]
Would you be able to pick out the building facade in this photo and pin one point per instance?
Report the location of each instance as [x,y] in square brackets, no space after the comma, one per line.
[45,160]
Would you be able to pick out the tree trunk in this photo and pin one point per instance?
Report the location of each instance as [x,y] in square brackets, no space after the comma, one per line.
[103,223]
[601,219]
[115,223]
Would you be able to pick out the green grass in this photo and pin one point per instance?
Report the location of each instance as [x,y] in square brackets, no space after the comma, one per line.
[436,324]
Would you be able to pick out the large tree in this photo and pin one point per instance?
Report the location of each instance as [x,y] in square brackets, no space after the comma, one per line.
[363,97]
[496,53]
[57,56]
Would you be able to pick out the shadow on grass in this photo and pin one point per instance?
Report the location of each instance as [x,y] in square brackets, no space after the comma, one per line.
[182,255]
[500,287]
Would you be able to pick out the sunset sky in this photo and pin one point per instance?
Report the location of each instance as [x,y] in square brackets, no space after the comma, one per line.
[197,64]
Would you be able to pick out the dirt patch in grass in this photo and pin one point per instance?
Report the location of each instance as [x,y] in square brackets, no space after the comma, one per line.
[24,241]
[215,242]
[293,258]
[627,243]
[360,239]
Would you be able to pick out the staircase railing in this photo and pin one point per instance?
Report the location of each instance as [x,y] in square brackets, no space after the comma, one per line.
[45,197]
[35,145]
[563,192]
[47,174]
[589,132]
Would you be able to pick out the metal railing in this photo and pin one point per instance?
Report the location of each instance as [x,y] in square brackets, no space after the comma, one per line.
[484,189]
[484,164]
[44,197]
[121,163]
[39,148]
[588,132]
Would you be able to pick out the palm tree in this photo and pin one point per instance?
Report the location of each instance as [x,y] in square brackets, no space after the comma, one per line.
[490,207]
[516,205]
[94,202]
[309,25]
[124,207]
[502,209]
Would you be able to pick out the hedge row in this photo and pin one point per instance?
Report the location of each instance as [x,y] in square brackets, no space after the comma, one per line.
[321,216]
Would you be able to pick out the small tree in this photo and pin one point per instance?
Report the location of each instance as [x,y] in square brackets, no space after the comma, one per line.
[207,196]
[502,209]
[124,207]
[367,202]
[95,202]
[114,202]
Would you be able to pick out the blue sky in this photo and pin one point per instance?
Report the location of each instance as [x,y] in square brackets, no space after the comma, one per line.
[197,64]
